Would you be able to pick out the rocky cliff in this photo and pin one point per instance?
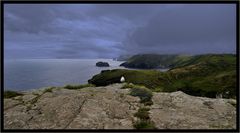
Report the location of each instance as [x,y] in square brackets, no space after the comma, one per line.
[111,107]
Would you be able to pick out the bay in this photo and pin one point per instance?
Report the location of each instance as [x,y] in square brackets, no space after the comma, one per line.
[27,74]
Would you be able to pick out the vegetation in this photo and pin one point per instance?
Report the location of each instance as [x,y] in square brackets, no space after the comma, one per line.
[138,77]
[142,113]
[148,61]
[10,94]
[131,85]
[144,122]
[202,75]
[143,93]
[75,87]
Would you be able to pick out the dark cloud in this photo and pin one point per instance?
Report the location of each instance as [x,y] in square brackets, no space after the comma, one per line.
[190,29]
[109,30]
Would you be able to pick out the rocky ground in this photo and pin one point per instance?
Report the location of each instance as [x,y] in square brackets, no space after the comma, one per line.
[110,107]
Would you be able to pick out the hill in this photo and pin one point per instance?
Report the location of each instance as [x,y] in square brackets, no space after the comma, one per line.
[203,75]
[148,61]
[151,61]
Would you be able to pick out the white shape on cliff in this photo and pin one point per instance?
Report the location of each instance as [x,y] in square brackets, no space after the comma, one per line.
[122,79]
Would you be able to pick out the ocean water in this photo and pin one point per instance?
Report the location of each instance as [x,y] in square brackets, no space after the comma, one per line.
[28,74]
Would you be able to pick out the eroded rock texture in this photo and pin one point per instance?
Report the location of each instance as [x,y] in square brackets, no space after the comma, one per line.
[113,108]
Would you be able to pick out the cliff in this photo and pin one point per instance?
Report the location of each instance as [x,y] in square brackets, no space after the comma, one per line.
[111,107]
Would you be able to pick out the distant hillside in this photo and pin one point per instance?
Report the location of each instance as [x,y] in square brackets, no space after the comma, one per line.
[149,61]
[203,75]
[123,57]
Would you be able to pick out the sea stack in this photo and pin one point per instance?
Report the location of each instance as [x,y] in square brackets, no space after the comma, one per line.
[102,64]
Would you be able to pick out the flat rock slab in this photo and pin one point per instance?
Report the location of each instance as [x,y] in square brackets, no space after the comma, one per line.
[89,108]
[178,110]
[110,107]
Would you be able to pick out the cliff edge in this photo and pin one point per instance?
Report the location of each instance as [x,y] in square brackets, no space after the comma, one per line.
[111,107]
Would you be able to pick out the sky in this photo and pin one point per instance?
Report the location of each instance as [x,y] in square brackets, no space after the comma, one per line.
[110,30]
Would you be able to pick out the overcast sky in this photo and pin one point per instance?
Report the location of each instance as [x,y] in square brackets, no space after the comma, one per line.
[110,30]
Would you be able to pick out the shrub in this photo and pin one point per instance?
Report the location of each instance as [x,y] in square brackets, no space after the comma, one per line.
[75,87]
[10,94]
[142,113]
[144,124]
[143,93]
[148,103]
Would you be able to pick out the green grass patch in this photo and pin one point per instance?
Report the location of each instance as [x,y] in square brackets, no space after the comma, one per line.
[148,78]
[127,85]
[131,85]
[10,94]
[75,87]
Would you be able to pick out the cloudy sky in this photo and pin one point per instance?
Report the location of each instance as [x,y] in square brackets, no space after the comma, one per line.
[110,30]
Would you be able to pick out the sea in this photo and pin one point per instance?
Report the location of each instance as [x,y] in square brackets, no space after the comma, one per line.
[31,74]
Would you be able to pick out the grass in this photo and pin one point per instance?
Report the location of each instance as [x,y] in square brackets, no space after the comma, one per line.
[11,94]
[75,87]
[201,75]
[131,85]
[127,85]
[138,77]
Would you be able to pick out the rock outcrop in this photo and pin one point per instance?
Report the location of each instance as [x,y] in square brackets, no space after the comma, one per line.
[110,107]
[102,64]
[178,110]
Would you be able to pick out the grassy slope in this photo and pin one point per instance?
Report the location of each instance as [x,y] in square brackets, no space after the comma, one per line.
[150,61]
[206,75]
[203,75]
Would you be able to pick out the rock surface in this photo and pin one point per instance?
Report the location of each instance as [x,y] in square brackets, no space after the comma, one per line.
[178,110]
[110,107]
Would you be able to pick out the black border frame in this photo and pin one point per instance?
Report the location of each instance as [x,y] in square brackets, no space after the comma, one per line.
[236,2]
